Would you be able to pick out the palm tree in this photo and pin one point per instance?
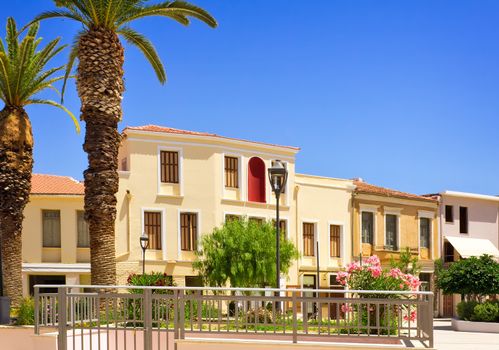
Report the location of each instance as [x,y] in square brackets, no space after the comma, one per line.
[23,74]
[100,87]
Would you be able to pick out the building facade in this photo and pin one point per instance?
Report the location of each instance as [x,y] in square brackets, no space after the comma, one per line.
[386,222]
[55,235]
[469,224]
[178,185]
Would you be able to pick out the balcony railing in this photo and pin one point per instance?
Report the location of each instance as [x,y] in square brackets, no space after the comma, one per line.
[122,317]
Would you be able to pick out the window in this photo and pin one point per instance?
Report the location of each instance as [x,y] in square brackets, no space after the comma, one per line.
[282,227]
[232,217]
[231,172]
[425,279]
[449,213]
[152,228]
[463,219]
[367,227]
[169,167]
[391,231]
[448,252]
[51,228]
[188,231]
[45,279]
[424,232]
[83,233]
[256,180]
[334,241]
[124,164]
[256,220]
[308,239]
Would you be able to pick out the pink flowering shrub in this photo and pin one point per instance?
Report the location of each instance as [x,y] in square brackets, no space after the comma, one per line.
[370,276]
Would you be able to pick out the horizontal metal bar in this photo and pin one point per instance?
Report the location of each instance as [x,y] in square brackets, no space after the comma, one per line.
[344,291]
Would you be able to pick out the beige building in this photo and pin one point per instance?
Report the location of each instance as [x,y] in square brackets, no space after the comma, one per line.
[178,185]
[386,222]
[55,236]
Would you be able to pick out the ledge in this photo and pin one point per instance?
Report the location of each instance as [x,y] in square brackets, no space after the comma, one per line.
[254,204]
[470,326]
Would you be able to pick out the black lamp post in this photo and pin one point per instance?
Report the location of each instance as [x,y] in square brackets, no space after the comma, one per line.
[144,243]
[278,175]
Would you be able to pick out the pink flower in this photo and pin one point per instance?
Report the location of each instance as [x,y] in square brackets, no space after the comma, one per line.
[375,271]
[373,261]
[346,308]
[412,316]
[395,273]
[401,286]
[342,277]
[353,266]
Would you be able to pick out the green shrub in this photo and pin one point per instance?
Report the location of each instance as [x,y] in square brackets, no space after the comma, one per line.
[465,310]
[26,313]
[486,312]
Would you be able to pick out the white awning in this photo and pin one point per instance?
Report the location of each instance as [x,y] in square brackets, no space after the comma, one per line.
[467,247]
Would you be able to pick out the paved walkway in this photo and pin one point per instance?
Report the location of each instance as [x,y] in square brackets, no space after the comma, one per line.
[447,339]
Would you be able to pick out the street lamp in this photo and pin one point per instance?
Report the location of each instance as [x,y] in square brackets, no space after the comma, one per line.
[278,175]
[144,243]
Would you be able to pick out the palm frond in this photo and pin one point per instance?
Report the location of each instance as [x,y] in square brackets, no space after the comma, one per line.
[58,105]
[147,48]
[23,68]
[59,14]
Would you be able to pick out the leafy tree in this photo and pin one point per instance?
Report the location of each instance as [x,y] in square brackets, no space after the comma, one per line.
[473,278]
[407,263]
[23,75]
[243,253]
[100,86]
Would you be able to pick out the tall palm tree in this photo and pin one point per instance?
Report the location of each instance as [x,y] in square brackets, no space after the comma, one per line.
[23,74]
[100,87]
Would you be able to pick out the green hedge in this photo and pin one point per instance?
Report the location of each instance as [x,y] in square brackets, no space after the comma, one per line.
[479,312]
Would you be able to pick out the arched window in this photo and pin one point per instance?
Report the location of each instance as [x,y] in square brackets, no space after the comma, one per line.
[256,180]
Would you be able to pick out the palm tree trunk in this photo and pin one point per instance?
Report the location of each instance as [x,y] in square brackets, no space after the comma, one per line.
[16,165]
[100,87]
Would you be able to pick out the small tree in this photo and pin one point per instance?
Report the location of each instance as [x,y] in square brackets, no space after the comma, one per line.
[407,263]
[243,253]
[473,278]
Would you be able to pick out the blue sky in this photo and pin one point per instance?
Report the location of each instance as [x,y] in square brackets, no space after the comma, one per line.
[404,94]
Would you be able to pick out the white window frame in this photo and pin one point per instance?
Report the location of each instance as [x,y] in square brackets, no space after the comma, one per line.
[239,172]
[427,215]
[371,209]
[396,212]
[163,226]
[342,239]
[180,167]
[179,229]
[315,222]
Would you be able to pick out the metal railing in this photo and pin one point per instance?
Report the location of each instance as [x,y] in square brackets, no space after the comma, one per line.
[124,317]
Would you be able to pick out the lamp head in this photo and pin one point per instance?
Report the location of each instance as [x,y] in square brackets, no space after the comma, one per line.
[278,175]
[144,241]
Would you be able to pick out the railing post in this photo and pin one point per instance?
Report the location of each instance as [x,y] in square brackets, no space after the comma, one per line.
[175,318]
[430,319]
[62,339]
[37,311]
[181,314]
[147,305]
[295,316]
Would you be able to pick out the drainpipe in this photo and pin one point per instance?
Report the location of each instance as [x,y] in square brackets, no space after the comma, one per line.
[297,221]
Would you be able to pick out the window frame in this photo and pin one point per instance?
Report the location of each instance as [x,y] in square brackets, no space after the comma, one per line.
[165,167]
[397,245]
[43,228]
[428,238]
[314,237]
[180,170]
[163,227]
[447,206]
[238,171]
[159,238]
[373,211]
[195,245]
[85,224]
[340,240]
[464,226]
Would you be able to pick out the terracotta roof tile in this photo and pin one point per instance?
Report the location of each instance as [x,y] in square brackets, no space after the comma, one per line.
[363,187]
[157,128]
[55,184]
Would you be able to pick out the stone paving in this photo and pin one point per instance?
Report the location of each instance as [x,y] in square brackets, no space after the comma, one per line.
[447,339]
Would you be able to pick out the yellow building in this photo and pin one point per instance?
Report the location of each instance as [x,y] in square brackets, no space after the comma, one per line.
[178,185]
[55,236]
[386,222]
